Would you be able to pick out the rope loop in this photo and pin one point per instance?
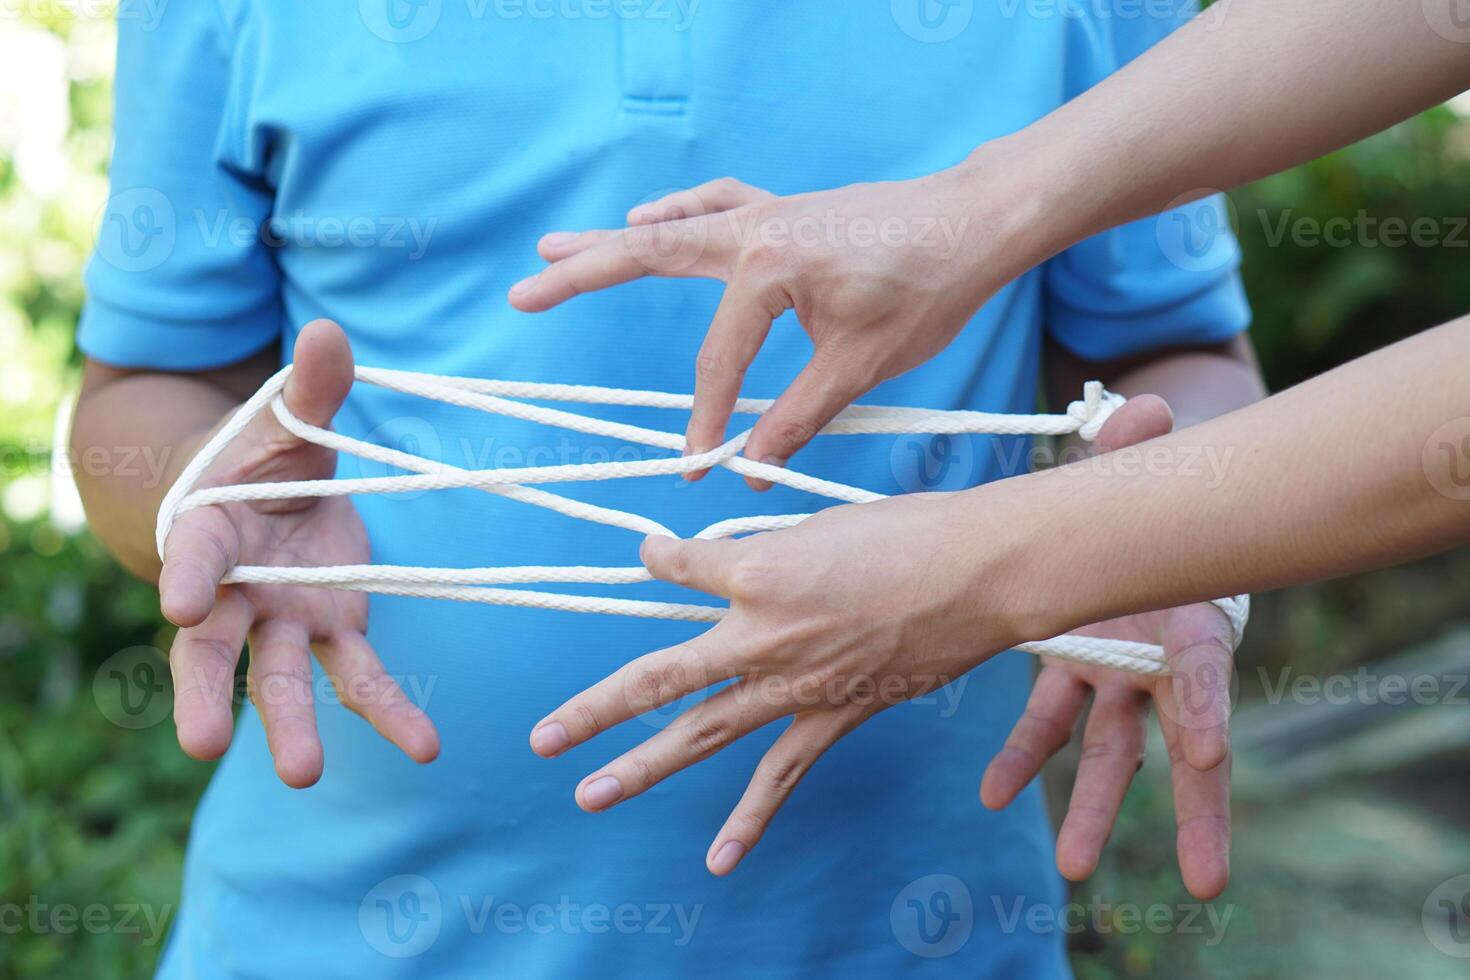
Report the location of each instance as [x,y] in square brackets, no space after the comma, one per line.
[512,399]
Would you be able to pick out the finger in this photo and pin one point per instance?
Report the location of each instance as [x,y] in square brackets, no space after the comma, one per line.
[1046,725]
[694,736]
[724,194]
[202,546]
[819,392]
[1199,647]
[740,327]
[366,689]
[321,375]
[780,770]
[1202,813]
[202,661]
[280,685]
[651,681]
[676,248]
[1141,418]
[1112,751]
[694,563]
[559,245]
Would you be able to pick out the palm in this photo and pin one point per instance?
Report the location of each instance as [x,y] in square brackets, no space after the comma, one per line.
[285,625]
[1193,715]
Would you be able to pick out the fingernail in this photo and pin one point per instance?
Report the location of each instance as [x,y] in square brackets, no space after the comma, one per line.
[603,792]
[760,485]
[549,739]
[524,285]
[557,238]
[638,215]
[727,857]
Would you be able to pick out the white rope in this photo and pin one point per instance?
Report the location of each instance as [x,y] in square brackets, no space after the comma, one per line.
[509,398]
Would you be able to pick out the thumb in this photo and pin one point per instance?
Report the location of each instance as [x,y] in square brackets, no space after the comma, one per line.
[322,374]
[696,564]
[1142,418]
[817,395]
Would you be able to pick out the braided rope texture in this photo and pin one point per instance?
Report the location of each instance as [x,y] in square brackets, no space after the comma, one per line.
[509,398]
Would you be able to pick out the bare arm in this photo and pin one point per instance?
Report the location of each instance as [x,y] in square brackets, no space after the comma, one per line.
[1247,88]
[165,415]
[1359,468]
[172,415]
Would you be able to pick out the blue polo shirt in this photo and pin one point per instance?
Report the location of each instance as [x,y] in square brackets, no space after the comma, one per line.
[390,164]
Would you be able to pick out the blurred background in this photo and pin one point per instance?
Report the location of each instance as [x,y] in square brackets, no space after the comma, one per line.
[1352,735]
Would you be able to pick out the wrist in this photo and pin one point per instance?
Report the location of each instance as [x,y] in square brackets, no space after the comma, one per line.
[1029,188]
[1021,562]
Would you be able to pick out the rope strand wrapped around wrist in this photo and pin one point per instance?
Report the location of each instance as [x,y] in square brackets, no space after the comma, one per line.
[508,398]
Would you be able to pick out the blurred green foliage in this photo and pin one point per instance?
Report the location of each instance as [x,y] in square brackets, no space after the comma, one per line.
[91,812]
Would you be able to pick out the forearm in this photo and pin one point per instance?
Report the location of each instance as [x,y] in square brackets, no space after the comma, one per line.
[1350,471]
[1198,382]
[132,434]
[1246,89]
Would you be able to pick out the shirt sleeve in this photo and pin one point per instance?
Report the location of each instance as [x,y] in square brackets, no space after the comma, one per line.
[1165,281]
[180,278]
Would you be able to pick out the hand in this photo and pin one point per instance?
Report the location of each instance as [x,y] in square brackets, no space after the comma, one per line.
[882,277]
[285,625]
[811,633]
[1193,714]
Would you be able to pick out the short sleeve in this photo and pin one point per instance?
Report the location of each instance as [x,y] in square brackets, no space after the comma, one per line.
[1165,281]
[180,278]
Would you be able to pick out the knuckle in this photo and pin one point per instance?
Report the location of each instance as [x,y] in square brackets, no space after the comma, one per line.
[780,775]
[794,431]
[748,575]
[652,685]
[586,717]
[706,736]
[643,773]
[713,365]
[750,824]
